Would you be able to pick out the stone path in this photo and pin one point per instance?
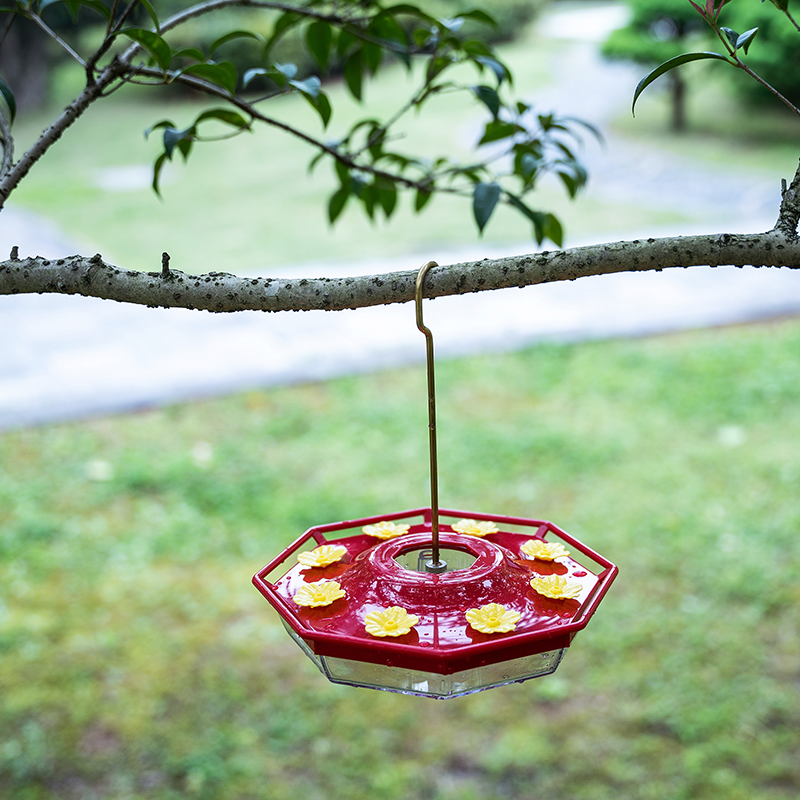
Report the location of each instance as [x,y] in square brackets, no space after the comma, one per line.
[70,357]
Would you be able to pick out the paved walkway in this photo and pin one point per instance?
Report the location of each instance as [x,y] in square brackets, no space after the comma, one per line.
[71,357]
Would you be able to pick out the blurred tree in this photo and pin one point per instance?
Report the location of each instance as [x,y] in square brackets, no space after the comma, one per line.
[658,30]
[23,61]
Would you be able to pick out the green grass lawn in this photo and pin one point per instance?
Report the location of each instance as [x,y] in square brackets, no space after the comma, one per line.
[137,662]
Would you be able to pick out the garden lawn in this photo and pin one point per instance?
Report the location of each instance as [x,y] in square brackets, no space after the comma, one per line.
[137,662]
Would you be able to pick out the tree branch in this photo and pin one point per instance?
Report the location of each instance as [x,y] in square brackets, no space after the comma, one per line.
[54,132]
[222,292]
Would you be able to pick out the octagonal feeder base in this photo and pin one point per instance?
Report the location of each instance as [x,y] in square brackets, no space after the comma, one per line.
[442,656]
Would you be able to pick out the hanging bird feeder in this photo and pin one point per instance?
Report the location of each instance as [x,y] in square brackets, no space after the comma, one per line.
[406,602]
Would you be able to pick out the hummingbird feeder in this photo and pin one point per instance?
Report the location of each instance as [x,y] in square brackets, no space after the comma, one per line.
[405,602]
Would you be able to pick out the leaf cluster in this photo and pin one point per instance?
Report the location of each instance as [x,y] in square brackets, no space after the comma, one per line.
[359,37]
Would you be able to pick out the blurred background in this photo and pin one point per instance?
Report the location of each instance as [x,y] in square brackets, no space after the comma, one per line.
[151,462]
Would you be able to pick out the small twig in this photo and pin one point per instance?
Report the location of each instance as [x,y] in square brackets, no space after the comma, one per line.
[7,143]
[791,18]
[56,38]
[788,103]
[789,214]
[113,29]
[7,27]
[165,265]
[112,14]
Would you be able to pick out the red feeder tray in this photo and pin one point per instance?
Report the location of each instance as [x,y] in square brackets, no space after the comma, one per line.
[442,655]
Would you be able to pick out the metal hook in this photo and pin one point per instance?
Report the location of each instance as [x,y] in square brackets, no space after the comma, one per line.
[435,565]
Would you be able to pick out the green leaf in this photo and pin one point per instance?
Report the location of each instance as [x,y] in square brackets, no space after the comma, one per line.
[315,160]
[479,16]
[388,29]
[183,140]
[309,87]
[484,200]
[498,129]
[372,55]
[164,123]
[453,25]
[475,49]
[565,150]
[377,138]
[345,41]
[74,7]
[368,195]
[499,70]
[401,161]
[436,66]
[746,39]
[354,74]
[225,115]
[157,166]
[545,225]
[574,179]
[337,203]
[409,10]
[286,21]
[357,185]
[423,38]
[152,43]
[288,70]
[342,172]
[10,101]
[422,199]
[222,74]
[528,165]
[387,197]
[252,73]
[730,35]
[672,63]
[552,230]
[593,129]
[233,35]
[322,105]
[547,121]
[148,7]
[189,52]
[488,97]
[319,38]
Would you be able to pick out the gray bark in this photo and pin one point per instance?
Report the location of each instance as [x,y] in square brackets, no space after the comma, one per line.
[223,292]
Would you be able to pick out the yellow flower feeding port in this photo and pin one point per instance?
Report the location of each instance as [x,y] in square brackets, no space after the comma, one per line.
[404,602]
